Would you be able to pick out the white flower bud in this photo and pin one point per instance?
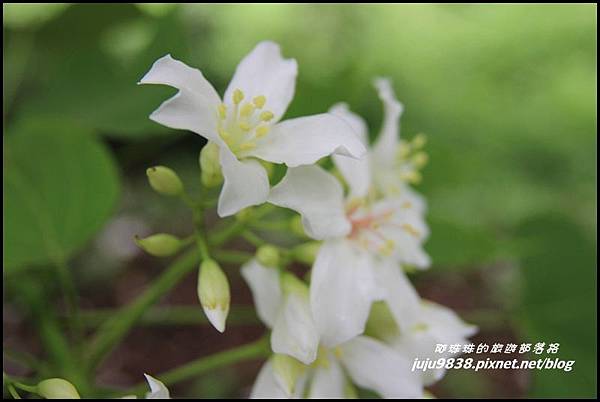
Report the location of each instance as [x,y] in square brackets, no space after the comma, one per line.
[57,388]
[164,180]
[210,167]
[213,293]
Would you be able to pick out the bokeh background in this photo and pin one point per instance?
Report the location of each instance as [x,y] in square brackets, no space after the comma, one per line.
[506,94]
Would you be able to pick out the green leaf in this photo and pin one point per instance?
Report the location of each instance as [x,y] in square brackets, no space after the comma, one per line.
[60,185]
[559,302]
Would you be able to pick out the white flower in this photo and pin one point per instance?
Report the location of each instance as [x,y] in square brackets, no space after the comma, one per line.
[367,234]
[245,124]
[158,390]
[369,363]
[437,325]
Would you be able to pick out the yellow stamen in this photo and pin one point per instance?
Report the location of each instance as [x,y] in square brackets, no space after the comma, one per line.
[247,110]
[419,141]
[420,159]
[259,101]
[266,115]
[238,96]
[222,111]
[247,146]
[261,131]
[420,327]
[244,125]
[387,248]
[410,229]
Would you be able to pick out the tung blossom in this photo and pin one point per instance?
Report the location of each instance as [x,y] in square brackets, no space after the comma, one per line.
[369,363]
[367,235]
[245,123]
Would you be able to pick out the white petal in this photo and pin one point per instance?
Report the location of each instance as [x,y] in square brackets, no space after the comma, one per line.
[385,147]
[157,389]
[265,385]
[328,381]
[445,323]
[356,172]
[341,291]
[217,317]
[294,332]
[317,196]
[264,72]
[305,140]
[194,107]
[399,294]
[246,183]
[266,290]
[376,366]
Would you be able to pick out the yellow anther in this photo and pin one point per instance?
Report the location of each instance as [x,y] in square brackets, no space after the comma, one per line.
[420,327]
[247,110]
[387,248]
[266,115]
[224,134]
[407,205]
[410,229]
[338,352]
[419,141]
[420,159]
[355,203]
[261,131]
[238,96]
[244,125]
[222,111]
[247,146]
[413,177]
[403,150]
[259,101]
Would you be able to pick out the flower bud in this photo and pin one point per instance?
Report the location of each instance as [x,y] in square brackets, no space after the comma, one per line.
[306,253]
[287,371]
[213,293]
[290,284]
[57,388]
[210,167]
[159,245]
[164,180]
[296,226]
[268,255]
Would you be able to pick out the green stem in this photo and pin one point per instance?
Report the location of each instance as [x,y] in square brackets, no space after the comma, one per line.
[253,238]
[232,256]
[254,350]
[71,299]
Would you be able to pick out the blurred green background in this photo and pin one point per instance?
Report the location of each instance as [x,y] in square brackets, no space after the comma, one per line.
[505,93]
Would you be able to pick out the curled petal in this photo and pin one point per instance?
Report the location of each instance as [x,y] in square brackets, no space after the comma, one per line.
[387,142]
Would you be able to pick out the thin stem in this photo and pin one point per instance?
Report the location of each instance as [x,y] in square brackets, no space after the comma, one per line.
[254,350]
[232,256]
[71,298]
[253,238]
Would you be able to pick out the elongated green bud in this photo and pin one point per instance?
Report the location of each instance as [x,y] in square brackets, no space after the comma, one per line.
[287,371]
[164,180]
[306,252]
[213,293]
[297,227]
[210,167]
[268,255]
[160,244]
[57,388]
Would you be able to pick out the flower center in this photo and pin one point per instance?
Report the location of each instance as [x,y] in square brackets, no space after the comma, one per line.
[368,227]
[245,124]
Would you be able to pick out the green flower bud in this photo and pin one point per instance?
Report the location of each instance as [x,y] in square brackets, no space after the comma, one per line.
[213,293]
[297,227]
[164,180]
[290,284]
[287,371]
[306,253]
[244,214]
[268,255]
[210,167]
[160,244]
[57,388]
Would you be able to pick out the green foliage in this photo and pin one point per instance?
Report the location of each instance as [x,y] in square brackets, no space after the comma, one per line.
[60,186]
